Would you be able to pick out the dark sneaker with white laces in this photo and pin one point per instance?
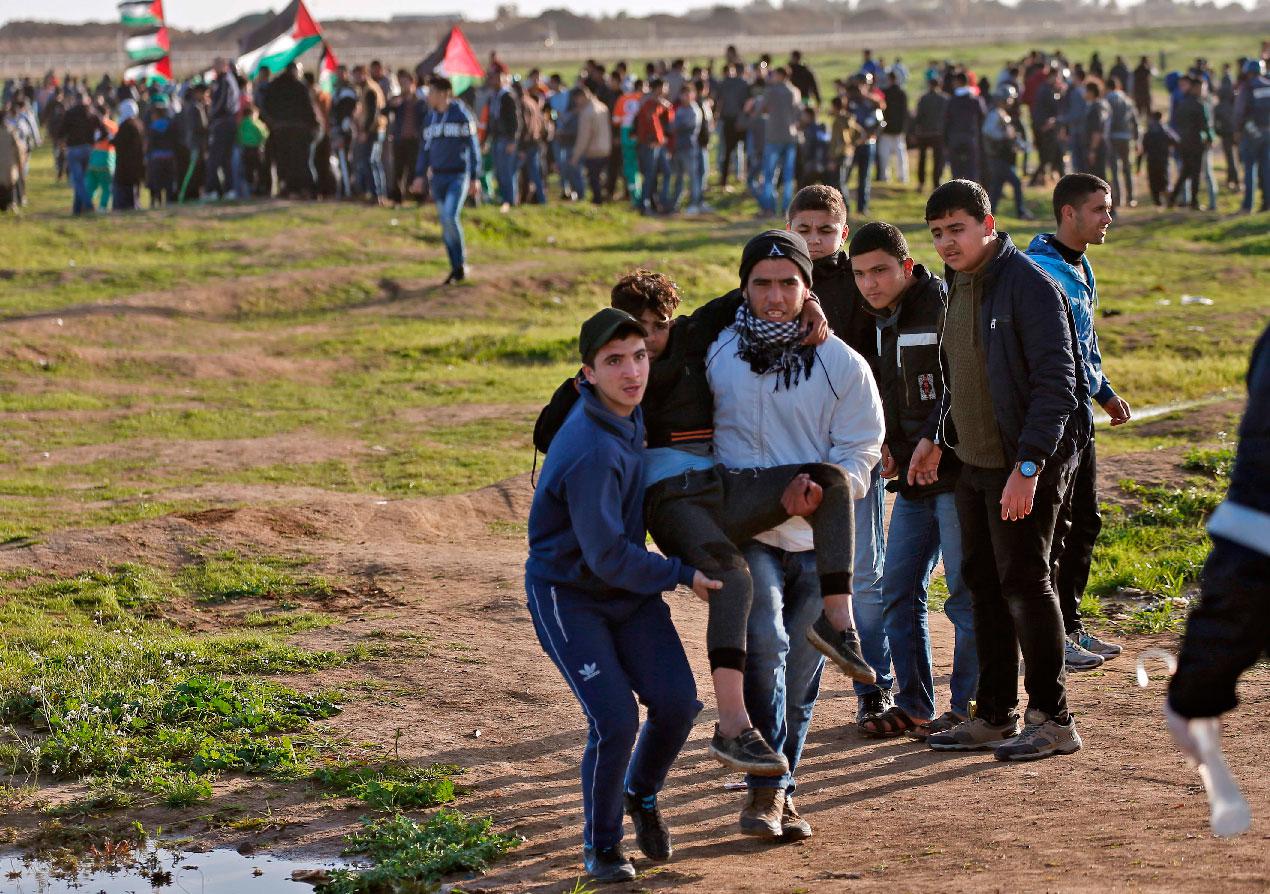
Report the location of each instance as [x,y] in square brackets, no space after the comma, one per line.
[761,816]
[975,734]
[1078,658]
[748,753]
[1091,643]
[873,704]
[793,826]
[1042,736]
[607,864]
[842,648]
[651,833]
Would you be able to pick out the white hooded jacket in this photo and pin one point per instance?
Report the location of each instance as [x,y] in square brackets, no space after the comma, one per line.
[833,415]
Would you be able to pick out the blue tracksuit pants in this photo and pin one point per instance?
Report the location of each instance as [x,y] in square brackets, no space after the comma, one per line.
[612,649]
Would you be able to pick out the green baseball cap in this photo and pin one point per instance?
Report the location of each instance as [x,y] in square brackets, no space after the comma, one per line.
[602,328]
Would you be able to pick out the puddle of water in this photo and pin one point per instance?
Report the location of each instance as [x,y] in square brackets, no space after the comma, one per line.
[164,871]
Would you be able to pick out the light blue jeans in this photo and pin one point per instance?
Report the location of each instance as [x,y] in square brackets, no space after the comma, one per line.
[449,191]
[870,544]
[782,669]
[920,530]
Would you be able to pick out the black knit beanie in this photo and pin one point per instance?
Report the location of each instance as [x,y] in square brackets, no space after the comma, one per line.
[776,244]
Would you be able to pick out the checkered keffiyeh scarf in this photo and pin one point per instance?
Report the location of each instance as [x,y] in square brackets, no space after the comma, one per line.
[773,347]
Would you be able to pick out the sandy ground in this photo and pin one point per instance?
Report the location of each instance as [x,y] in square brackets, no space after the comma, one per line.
[441,578]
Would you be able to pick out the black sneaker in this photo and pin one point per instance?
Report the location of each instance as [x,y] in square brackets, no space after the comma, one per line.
[651,833]
[748,753]
[843,649]
[872,704]
[458,274]
[607,864]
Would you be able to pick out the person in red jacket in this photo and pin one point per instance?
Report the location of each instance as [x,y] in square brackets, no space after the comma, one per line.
[652,124]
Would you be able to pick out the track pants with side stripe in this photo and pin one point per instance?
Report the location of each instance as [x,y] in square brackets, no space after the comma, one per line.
[613,648]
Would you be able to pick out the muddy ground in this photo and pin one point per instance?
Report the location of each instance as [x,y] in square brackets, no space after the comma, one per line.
[440,580]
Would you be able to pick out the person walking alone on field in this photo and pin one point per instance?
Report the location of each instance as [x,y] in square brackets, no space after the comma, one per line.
[450,157]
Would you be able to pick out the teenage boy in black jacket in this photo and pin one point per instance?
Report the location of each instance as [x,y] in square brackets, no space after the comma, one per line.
[907,303]
[1015,411]
[818,213]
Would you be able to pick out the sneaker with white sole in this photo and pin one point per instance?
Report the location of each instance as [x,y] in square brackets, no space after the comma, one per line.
[1091,643]
[1042,736]
[1078,658]
[748,753]
[975,734]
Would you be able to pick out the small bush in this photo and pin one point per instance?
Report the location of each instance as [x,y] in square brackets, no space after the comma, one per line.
[393,787]
[411,856]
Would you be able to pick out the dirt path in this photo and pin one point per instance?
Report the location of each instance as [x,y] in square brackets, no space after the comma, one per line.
[441,580]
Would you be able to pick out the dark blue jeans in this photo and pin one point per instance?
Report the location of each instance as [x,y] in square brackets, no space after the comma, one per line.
[612,649]
[221,136]
[782,669]
[862,164]
[449,191]
[654,166]
[77,171]
[506,161]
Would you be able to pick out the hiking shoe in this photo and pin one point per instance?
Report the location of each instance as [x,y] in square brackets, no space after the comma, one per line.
[761,816]
[793,826]
[1091,643]
[651,833]
[872,704]
[748,753]
[607,864]
[943,723]
[843,649]
[975,734]
[1043,736]
[1078,658]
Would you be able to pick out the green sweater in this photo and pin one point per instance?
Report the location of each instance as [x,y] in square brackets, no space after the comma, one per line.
[978,438]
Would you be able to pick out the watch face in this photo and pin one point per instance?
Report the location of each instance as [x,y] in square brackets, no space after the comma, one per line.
[1028,469]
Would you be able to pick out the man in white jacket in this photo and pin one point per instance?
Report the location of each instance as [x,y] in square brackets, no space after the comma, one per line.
[777,401]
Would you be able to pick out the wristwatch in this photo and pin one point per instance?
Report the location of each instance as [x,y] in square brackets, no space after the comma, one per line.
[1028,469]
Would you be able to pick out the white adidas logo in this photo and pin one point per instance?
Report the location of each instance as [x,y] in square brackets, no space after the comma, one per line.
[589,672]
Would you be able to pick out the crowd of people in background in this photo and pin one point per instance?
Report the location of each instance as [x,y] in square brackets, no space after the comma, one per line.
[659,137]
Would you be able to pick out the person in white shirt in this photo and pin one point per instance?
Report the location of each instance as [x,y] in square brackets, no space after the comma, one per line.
[778,401]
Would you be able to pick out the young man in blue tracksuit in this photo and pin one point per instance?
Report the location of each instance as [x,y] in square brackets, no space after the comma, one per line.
[451,158]
[594,594]
[1083,209]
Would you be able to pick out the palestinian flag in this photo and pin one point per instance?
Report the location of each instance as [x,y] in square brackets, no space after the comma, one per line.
[141,13]
[154,72]
[148,47]
[279,42]
[326,69]
[453,58]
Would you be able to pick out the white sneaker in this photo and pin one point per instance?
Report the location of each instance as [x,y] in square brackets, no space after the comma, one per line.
[1078,658]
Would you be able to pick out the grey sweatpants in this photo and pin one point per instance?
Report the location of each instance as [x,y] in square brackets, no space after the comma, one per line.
[704,517]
